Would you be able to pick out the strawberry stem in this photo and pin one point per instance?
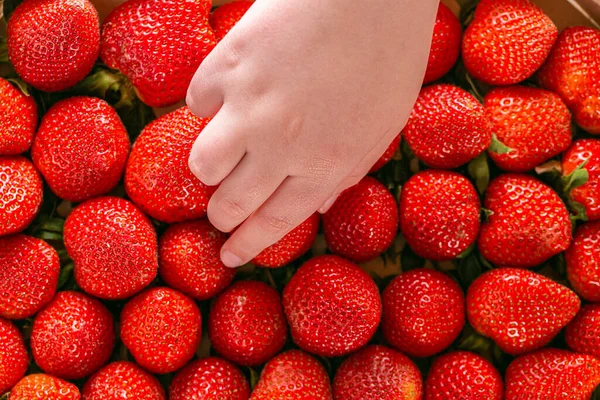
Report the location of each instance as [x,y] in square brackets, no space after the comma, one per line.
[479,170]
[109,85]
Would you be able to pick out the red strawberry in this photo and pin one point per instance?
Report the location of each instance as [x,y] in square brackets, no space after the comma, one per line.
[583,332]
[332,305]
[211,378]
[73,336]
[293,375]
[447,127]
[44,387]
[534,123]
[224,18]
[589,193]
[18,120]
[439,214]
[552,374]
[21,194]
[81,148]
[363,221]
[528,223]
[29,270]
[157,176]
[583,261]
[246,323]
[507,41]
[573,71]
[162,329]
[445,45]
[519,309]
[53,44]
[423,312]
[190,261]
[377,372]
[13,355]
[387,156]
[123,380]
[113,246]
[463,375]
[158,45]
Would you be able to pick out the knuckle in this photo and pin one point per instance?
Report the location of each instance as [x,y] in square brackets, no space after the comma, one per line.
[275,224]
[231,209]
[231,52]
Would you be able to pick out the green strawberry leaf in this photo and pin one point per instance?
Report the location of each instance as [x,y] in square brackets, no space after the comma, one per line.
[22,86]
[469,268]
[49,236]
[580,215]
[498,147]
[65,274]
[467,9]
[9,7]
[467,252]
[254,377]
[596,394]
[577,178]
[479,170]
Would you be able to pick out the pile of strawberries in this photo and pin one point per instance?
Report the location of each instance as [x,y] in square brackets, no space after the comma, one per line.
[111,286]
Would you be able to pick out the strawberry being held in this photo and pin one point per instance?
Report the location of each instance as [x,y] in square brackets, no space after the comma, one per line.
[445,45]
[18,119]
[387,155]
[224,18]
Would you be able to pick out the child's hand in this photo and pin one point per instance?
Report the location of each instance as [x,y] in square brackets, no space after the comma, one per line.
[306,97]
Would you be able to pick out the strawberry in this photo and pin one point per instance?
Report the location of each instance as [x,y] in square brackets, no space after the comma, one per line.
[162,328]
[211,378]
[445,45]
[439,214]
[423,312]
[377,372]
[13,355]
[53,44]
[573,71]
[587,194]
[189,255]
[332,305]
[158,45]
[363,221]
[463,375]
[224,18]
[21,194]
[157,176]
[73,336]
[113,246]
[519,309]
[528,223]
[18,120]
[386,157]
[583,332]
[44,387]
[293,375]
[29,270]
[552,374]
[507,41]
[533,122]
[583,261]
[123,380]
[81,148]
[447,127]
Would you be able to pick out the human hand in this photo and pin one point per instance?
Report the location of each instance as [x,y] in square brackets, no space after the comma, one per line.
[305,99]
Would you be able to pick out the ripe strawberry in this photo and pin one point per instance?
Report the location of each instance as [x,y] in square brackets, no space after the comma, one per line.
[377,372]
[53,44]
[21,194]
[18,120]
[123,380]
[13,355]
[73,336]
[387,156]
[29,270]
[44,387]
[224,18]
[587,194]
[447,127]
[583,332]
[81,148]
[533,122]
[113,246]
[158,45]
[157,176]
[293,375]
[423,312]
[573,71]
[528,222]
[583,261]
[246,323]
[332,305]
[439,214]
[162,328]
[519,309]
[445,45]
[463,375]
[552,374]
[363,221]
[211,378]
[507,41]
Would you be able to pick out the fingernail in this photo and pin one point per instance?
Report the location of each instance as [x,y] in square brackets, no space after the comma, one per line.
[193,167]
[230,260]
[325,207]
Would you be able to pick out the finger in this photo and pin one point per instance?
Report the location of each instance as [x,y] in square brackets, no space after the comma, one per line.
[205,95]
[327,205]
